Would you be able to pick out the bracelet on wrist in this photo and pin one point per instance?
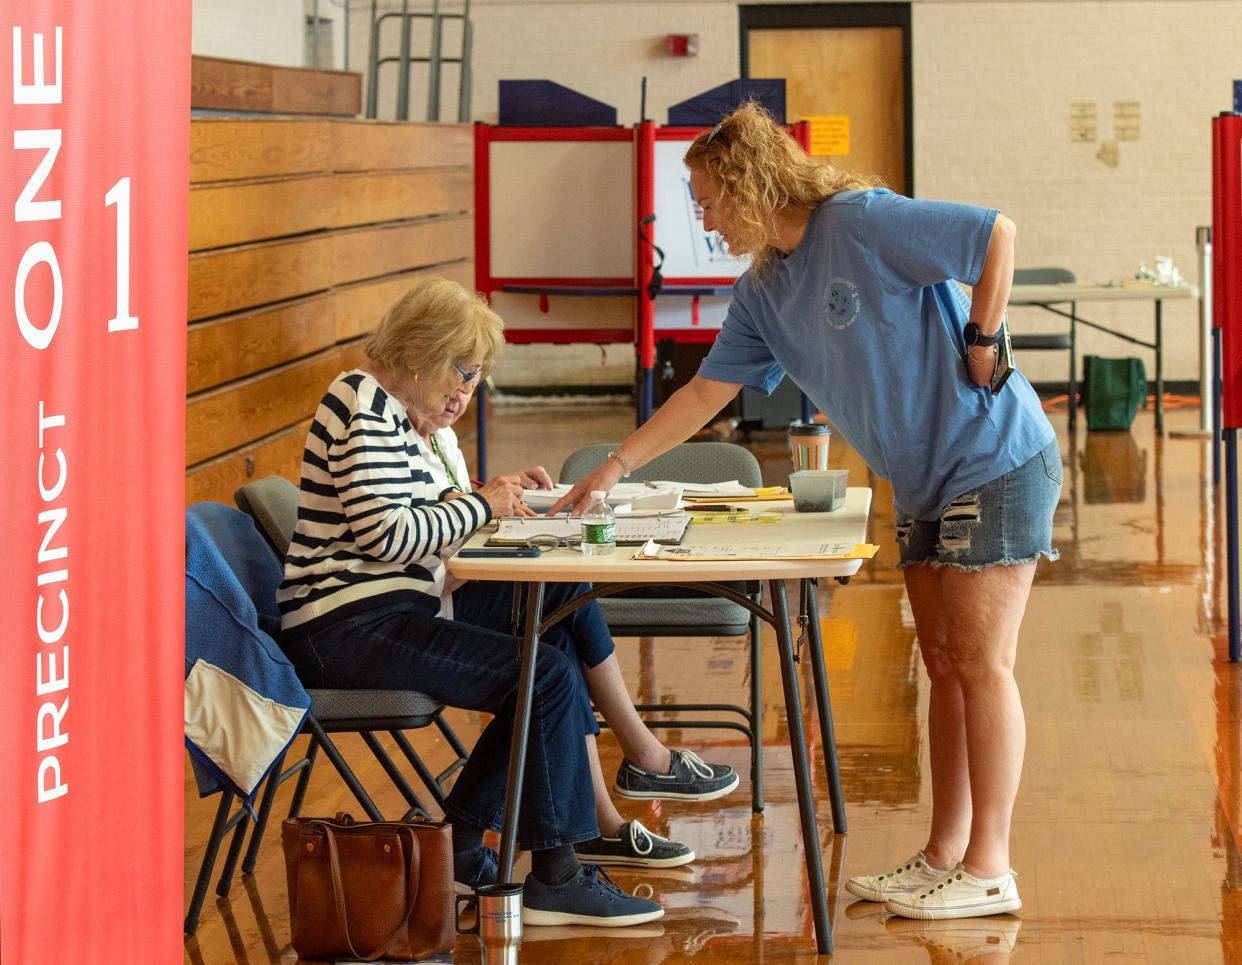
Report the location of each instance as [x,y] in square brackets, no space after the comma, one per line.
[625,466]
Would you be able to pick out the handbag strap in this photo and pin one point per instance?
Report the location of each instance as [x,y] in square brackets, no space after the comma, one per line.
[338,890]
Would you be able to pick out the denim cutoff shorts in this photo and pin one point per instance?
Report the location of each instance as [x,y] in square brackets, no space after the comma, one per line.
[1007,520]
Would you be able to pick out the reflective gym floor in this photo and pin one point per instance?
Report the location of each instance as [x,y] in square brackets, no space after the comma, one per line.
[1125,832]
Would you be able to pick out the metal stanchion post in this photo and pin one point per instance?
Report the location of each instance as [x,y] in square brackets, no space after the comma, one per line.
[1203,244]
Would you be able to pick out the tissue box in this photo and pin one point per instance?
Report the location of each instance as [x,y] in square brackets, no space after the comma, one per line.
[818,490]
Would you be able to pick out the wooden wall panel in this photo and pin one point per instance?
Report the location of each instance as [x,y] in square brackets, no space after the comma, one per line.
[232,279]
[237,213]
[230,85]
[370,252]
[377,146]
[233,415]
[303,233]
[360,307]
[359,199]
[307,91]
[238,85]
[225,148]
[238,345]
[280,454]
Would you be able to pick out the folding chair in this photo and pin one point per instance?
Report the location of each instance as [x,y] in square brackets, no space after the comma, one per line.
[1052,341]
[677,612]
[364,712]
[272,503]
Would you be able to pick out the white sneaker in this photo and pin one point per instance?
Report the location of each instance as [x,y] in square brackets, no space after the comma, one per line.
[959,894]
[904,878]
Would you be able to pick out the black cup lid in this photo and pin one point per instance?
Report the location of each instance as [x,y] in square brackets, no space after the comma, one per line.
[808,429]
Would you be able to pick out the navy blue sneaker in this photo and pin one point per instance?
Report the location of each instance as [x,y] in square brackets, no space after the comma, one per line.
[473,868]
[635,845]
[589,898]
[689,779]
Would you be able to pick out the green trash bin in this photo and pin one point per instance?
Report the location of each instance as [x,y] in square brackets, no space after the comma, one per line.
[1112,391]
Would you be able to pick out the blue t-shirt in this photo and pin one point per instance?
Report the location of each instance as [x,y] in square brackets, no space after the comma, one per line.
[866,317]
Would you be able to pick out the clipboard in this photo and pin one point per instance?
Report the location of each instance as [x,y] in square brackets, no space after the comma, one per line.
[664,529]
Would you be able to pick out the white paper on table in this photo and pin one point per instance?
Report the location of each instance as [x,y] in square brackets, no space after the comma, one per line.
[724,551]
[637,496]
[630,529]
[721,490]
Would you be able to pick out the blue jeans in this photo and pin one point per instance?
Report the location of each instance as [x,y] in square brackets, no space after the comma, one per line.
[583,635]
[1007,520]
[475,667]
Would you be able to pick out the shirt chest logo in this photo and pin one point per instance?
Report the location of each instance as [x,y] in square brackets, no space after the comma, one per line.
[842,303]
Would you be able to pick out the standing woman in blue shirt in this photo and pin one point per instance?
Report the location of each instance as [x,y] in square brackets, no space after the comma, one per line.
[853,292]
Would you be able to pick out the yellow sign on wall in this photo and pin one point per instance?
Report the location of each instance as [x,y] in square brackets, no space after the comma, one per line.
[830,134]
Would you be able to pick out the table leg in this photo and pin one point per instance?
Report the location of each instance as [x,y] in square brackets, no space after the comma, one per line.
[521,728]
[1073,369]
[802,771]
[756,714]
[1159,367]
[823,705]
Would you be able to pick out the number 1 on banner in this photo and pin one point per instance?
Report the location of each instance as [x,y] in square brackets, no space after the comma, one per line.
[118,194]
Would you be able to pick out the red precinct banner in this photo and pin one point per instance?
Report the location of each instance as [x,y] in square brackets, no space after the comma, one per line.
[95,176]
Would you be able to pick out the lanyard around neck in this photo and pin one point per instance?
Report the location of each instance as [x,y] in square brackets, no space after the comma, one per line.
[435,447]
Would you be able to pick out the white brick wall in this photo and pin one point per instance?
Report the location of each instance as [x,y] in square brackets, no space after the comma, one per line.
[993,84]
[267,31]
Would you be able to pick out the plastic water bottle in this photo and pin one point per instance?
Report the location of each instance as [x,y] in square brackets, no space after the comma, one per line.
[599,527]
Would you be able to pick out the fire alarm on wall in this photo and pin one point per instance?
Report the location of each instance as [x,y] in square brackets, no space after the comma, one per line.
[682,45]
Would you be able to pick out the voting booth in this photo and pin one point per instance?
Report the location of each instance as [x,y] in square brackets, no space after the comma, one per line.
[573,222]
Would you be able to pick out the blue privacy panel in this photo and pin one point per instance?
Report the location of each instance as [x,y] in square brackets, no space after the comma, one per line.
[542,103]
[706,109]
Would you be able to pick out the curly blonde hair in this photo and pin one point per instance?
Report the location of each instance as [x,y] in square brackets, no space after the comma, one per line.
[434,324]
[762,171]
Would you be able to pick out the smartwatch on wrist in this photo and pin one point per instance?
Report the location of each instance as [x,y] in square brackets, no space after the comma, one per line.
[974,337]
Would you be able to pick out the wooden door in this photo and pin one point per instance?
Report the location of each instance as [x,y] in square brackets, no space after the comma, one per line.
[857,72]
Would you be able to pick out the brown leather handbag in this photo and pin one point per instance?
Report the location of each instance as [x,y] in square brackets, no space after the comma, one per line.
[369,890]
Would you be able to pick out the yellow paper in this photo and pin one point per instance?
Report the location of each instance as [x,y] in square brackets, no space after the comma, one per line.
[830,134]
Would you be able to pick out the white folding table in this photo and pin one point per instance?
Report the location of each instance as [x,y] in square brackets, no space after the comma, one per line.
[1050,297]
[613,574]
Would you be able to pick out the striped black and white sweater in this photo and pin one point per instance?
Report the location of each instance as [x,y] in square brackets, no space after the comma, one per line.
[371,520]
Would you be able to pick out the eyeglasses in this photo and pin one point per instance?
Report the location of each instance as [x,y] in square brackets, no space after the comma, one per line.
[712,135]
[466,376]
[546,541]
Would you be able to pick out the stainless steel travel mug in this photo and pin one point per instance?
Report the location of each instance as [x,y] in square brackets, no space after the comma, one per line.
[498,922]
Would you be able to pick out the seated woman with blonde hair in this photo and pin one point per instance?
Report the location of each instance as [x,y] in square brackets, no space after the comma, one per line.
[367,602]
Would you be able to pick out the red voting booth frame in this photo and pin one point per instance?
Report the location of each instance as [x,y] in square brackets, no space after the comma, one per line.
[639,285]
[1227,330]
[93,489]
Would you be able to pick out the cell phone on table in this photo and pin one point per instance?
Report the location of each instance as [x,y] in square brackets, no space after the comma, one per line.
[1004,362]
[500,552]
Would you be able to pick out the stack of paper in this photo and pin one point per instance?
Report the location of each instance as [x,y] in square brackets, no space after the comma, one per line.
[721,490]
[637,496]
[633,530]
[801,550]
